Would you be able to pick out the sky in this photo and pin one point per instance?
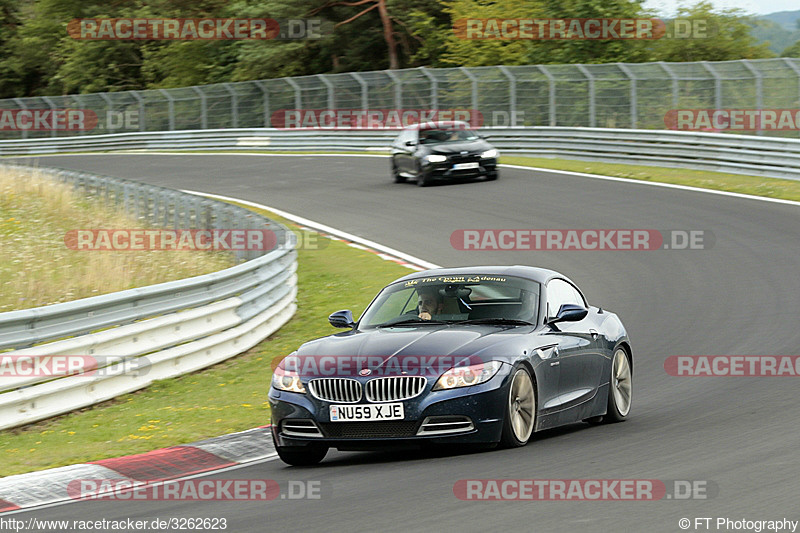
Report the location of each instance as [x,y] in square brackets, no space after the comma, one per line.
[759,7]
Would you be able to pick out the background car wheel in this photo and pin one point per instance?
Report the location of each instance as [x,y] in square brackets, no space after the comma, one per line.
[301,455]
[621,387]
[422,181]
[492,176]
[520,410]
[396,174]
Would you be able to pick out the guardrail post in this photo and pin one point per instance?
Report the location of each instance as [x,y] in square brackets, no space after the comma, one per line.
[398,89]
[234,105]
[434,88]
[265,101]
[512,95]
[170,108]
[109,106]
[671,74]
[590,77]
[50,103]
[203,108]
[634,102]
[298,97]
[364,90]
[552,93]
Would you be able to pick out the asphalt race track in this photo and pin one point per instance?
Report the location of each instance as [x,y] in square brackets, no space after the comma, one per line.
[741,297]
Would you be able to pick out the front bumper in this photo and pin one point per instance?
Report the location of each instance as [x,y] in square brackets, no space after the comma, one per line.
[483,405]
[486,167]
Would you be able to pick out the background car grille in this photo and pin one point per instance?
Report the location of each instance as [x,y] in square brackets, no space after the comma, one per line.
[342,390]
[365,430]
[466,158]
[395,388]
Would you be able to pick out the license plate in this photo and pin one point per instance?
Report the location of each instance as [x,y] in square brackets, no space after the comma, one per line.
[366,413]
[465,166]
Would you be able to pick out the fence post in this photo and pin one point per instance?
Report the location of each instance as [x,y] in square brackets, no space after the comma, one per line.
[796,70]
[592,118]
[203,108]
[22,105]
[634,103]
[142,109]
[364,90]
[50,103]
[473,89]
[759,88]
[329,85]
[717,84]
[265,101]
[671,74]
[298,97]
[398,89]
[234,104]
[552,93]
[512,95]
[170,108]
[434,88]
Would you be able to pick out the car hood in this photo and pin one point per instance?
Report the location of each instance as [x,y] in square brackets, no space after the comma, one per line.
[458,147]
[426,350]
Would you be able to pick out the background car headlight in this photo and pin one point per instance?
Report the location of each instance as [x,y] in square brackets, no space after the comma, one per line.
[288,381]
[489,154]
[435,158]
[466,376]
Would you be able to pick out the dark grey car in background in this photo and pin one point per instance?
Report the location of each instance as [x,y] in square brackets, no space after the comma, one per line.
[442,151]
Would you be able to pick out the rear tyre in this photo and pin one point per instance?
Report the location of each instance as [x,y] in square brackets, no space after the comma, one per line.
[492,176]
[520,416]
[621,387]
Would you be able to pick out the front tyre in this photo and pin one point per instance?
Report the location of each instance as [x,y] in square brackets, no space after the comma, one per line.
[520,415]
[621,387]
[396,174]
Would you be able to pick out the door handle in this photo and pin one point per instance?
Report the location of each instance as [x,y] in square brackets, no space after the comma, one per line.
[555,363]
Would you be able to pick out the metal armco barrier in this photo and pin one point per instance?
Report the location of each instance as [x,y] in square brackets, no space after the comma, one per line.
[162,330]
[738,154]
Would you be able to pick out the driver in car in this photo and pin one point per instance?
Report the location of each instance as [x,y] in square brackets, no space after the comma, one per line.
[429,302]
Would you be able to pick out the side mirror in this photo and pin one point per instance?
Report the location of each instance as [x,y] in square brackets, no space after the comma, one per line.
[411,143]
[342,319]
[570,313]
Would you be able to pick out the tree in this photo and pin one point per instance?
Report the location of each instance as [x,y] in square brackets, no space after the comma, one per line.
[729,36]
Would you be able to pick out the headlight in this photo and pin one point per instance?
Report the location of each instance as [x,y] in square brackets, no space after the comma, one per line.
[489,154]
[435,158]
[466,376]
[288,381]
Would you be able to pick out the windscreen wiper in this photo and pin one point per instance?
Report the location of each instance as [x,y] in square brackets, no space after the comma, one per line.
[409,322]
[498,321]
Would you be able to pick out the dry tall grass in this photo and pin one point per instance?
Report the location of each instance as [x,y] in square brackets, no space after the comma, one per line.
[37,268]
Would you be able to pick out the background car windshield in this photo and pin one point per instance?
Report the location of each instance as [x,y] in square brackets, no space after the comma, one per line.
[458,298]
[444,135]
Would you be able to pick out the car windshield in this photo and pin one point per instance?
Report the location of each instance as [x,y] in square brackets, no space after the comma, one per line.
[503,300]
[444,135]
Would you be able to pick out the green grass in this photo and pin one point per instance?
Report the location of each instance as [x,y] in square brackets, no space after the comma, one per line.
[228,397]
[757,186]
